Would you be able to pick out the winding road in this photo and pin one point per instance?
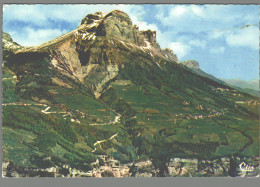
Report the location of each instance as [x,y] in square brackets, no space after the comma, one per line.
[101,141]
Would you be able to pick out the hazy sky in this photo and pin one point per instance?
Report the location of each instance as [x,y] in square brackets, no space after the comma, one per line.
[224,39]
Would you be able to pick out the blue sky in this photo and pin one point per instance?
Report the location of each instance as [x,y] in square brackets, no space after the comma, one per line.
[224,39]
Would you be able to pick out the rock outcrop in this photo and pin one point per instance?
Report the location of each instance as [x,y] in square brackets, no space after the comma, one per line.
[170,54]
[193,64]
[8,47]
[150,36]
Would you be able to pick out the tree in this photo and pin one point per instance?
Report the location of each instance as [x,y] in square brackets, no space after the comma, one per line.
[232,166]
[160,151]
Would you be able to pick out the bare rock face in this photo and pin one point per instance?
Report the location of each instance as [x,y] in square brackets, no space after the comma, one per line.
[92,55]
[191,64]
[150,36]
[114,24]
[118,24]
[170,54]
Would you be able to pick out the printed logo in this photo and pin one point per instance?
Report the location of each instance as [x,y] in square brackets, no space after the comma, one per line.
[244,167]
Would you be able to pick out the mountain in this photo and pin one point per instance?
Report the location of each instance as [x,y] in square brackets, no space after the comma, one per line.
[106,100]
[250,87]
[252,84]
[194,66]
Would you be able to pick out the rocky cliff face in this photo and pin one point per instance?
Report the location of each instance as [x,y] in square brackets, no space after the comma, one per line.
[94,52]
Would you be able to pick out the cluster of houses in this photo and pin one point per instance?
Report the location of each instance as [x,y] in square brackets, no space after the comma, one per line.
[221,89]
[112,166]
[233,92]
[212,113]
[253,102]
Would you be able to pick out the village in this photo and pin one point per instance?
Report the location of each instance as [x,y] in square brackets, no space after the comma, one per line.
[212,113]
[113,168]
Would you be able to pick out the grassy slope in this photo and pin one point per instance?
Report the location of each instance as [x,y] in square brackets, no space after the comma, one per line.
[157,106]
[50,134]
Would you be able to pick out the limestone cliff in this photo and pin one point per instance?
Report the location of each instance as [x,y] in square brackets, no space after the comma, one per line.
[94,52]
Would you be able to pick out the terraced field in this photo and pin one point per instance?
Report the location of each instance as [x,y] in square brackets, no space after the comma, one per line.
[186,123]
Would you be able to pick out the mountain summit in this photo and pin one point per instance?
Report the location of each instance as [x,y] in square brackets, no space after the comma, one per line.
[106,100]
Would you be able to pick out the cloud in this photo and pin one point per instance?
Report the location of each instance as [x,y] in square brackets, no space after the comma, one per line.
[179,49]
[216,34]
[205,17]
[145,26]
[178,11]
[198,43]
[183,10]
[183,47]
[25,13]
[41,14]
[247,37]
[221,23]
[239,36]
[219,50]
[35,37]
